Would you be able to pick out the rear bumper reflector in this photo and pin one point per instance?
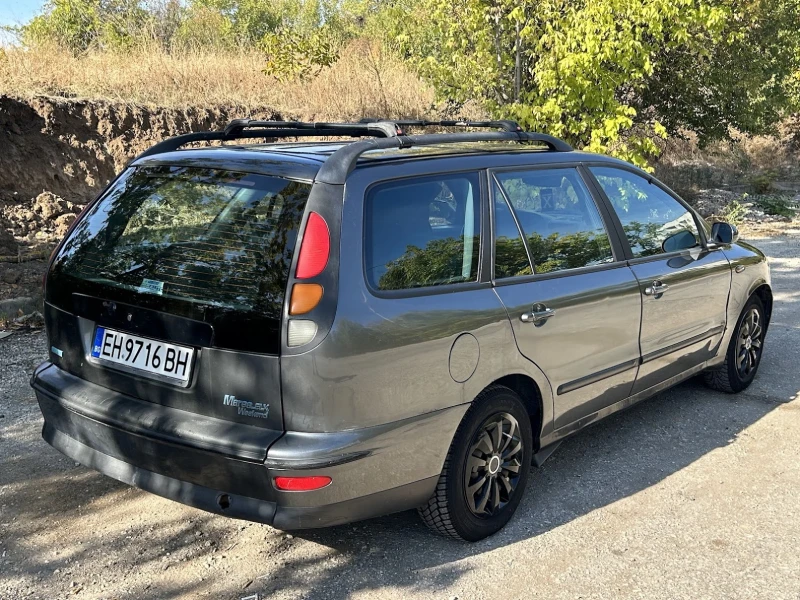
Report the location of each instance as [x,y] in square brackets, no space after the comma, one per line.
[302,484]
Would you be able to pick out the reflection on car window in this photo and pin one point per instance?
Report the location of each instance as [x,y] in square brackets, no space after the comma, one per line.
[510,255]
[558,217]
[208,237]
[654,222]
[423,232]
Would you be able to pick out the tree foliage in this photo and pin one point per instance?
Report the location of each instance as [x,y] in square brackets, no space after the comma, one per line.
[608,75]
[79,24]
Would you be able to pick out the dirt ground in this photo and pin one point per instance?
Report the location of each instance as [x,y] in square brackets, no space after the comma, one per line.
[692,494]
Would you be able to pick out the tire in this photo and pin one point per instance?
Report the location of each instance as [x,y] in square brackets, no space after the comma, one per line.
[744,352]
[454,511]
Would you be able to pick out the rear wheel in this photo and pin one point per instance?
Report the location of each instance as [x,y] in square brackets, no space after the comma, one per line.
[744,351]
[486,470]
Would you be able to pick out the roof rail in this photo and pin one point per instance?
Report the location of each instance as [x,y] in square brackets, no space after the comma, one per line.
[342,162]
[251,128]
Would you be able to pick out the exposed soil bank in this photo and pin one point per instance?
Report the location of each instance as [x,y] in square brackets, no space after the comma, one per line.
[71,149]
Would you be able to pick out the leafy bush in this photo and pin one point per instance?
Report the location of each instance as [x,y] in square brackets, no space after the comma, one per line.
[775,204]
[609,75]
[763,182]
[297,55]
[734,213]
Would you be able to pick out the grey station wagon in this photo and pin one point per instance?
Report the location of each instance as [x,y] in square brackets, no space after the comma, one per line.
[307,334]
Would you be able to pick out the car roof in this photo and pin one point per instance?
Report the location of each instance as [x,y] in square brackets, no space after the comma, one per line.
[302,160]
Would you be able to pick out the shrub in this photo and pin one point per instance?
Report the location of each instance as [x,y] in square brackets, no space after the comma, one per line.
[762,183]
[775,204]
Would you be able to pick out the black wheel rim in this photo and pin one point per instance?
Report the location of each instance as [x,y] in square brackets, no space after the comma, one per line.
[493,465]
[749,343]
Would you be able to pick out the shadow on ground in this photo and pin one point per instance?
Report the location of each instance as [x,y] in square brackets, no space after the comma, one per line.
[48,503]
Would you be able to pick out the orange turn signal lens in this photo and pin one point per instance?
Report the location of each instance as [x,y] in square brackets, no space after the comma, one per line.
[305,296]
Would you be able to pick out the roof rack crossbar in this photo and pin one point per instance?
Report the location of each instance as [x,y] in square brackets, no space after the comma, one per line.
[270,129]
[377,128]
[342,162]
[505,125]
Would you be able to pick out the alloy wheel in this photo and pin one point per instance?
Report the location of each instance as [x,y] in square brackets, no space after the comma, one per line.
[749,343]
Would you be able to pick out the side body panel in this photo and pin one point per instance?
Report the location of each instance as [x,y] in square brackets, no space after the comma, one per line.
[589,349]
[749,271]
[387,356]
[683,326]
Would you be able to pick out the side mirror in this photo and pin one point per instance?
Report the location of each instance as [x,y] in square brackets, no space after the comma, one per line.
[682,240]
[724,233]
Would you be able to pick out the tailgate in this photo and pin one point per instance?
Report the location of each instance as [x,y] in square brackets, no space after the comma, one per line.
[229,386]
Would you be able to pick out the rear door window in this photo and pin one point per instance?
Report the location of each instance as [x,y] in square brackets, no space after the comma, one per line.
[558,217]
[654,222]
[422,232]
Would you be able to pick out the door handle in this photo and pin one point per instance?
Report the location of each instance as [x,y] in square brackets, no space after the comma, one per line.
[656,289]
[538,315]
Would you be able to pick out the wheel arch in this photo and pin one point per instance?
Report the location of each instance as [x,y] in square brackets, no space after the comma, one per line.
[527,389]
[764,293]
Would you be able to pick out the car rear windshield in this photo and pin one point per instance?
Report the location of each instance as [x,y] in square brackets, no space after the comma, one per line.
[196,241]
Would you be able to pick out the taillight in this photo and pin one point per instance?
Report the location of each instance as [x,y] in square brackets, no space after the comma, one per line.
[301,332]
[315,248]
[302,484]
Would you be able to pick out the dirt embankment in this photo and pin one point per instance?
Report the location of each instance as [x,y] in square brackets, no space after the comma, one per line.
[56,155]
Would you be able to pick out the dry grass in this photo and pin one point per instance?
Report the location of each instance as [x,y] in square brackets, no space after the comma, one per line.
[364,82]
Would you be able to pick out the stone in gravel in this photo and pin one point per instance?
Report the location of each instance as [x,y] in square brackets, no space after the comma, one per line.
[8,245]
[34,319]
[12,305]
[49,205]
[10,276]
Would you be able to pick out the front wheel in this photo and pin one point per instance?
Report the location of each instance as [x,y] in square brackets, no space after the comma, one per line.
[744,351]
[486,470]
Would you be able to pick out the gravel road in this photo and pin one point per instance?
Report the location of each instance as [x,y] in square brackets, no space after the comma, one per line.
[692,494]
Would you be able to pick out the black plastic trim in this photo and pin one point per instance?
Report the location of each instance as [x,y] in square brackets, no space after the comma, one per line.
[149,420]
[304,464]
[239,506]
[598,376]
[143,321]
[666,255]
[342,162]
[683,344]
[561,273]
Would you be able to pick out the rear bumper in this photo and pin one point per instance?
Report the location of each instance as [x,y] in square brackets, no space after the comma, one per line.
[375,471]
[238,506]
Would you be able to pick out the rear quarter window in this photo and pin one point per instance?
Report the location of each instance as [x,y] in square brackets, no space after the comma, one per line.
[422,232]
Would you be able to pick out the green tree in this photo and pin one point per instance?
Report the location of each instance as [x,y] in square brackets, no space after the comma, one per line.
[602,74]
[80,24]
[743,81]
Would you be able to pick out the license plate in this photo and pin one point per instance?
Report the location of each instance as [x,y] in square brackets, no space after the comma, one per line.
[155,358]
